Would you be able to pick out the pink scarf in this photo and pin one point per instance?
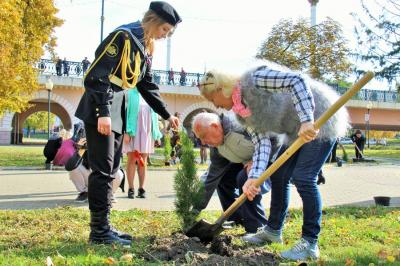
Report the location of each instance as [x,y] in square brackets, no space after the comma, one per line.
[238,107]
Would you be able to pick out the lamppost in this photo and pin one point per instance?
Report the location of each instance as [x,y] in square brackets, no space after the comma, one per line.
[49,88]
[369,106]
[102,21]
[313,4]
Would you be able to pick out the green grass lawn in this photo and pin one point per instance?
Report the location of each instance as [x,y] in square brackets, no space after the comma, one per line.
[22,155]
[393,141]
[379,151]
[29,155]
[350,236]
[32,156]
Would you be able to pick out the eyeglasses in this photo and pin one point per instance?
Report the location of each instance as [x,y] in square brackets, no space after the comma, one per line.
[204,84]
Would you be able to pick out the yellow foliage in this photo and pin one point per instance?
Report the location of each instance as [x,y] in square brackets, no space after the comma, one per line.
[26,27]
[321,50]
[381,134]
[390,258]
[127,257]
[110,261]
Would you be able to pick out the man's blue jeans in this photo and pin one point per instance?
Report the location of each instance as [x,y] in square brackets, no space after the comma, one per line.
[302,170]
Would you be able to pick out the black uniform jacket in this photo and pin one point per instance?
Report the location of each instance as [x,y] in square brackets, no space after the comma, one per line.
[104,95]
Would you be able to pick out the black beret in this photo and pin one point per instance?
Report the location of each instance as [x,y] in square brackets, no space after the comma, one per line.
[166,12]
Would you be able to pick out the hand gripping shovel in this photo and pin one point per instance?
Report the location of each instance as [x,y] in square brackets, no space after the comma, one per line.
[207,231]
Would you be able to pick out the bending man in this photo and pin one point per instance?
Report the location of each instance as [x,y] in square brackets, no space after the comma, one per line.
[231,154]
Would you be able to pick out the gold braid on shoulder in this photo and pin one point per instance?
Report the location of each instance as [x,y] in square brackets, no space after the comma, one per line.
[124,63]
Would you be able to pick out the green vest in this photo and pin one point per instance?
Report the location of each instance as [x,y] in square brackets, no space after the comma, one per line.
[236,148]
[132,116]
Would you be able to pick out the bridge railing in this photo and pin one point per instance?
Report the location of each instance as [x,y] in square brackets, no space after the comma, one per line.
[162,77]
[370,95]
[76,69]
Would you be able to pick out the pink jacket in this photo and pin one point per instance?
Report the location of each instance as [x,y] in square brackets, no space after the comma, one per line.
[65,152]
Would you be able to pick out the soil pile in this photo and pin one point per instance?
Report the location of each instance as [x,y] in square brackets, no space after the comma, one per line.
[180,249]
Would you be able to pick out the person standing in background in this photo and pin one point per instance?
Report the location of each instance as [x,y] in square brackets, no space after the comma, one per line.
[85,65]
[359,143]
[141,134]
[65,65]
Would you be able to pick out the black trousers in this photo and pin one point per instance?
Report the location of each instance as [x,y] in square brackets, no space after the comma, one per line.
[104,156]
[358,154]
[252,213]
[227,190]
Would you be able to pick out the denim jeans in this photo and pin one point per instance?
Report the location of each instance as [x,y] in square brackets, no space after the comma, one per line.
[302,170]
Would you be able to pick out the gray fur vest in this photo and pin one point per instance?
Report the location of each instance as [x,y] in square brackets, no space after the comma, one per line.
[273,111]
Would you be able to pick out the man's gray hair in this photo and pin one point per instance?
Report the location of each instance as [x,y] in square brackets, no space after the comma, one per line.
[205,119]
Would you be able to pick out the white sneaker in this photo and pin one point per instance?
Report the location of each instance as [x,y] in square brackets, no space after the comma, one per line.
[263,236]
[302,250]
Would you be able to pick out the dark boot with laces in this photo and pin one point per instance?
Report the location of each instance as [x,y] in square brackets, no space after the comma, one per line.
[100,230]
[118,233]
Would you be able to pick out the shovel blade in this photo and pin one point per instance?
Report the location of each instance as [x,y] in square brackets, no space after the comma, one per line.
[204,230]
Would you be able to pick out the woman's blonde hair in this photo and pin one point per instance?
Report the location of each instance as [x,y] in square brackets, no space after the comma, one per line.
[214,81]
[65,134]
[150,22]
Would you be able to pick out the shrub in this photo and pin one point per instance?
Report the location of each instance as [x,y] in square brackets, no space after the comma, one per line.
[189,189]
[167,148]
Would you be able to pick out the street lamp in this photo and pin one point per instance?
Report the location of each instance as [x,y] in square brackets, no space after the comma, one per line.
[49,88]
[102,21]
[313,4]
[369,106]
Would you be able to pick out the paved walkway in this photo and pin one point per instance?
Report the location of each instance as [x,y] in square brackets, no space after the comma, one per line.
[353,184]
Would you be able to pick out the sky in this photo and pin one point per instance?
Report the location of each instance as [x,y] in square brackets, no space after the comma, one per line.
[215,34]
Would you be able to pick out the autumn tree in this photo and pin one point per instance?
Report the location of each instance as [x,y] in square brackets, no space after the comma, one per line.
[26,29]
[38,120]
[320,50]
[378,36]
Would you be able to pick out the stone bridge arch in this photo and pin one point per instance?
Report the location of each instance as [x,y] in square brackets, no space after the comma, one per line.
[194,109]
[58,105]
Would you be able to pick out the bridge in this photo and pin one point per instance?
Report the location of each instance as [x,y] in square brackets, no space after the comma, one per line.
[181,95]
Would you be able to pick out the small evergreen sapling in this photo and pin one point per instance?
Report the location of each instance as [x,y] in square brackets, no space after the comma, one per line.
[189,189]
[167,149]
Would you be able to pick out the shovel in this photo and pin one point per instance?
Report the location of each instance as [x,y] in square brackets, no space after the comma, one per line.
[362,159]
[206,231]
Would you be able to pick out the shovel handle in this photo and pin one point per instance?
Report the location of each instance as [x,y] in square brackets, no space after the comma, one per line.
[355,145]
[298,143]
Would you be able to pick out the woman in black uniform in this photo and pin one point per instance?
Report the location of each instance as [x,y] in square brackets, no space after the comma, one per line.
[123,61]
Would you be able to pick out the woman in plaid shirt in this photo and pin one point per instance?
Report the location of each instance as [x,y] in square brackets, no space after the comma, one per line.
[269,101]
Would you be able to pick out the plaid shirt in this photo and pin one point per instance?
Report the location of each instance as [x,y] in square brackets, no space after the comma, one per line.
[262,151]
[275,81]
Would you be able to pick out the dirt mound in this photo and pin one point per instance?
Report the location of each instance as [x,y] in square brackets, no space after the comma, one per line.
[181,249]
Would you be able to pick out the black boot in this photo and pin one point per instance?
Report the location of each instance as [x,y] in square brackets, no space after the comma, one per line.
[122,185]
[118,233]
[321,178]
[100,230]
[121,234]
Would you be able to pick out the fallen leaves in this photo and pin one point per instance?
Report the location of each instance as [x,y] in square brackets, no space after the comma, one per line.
[110,261]
[127,257]
[124,258]
[49,262]
[383,255]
